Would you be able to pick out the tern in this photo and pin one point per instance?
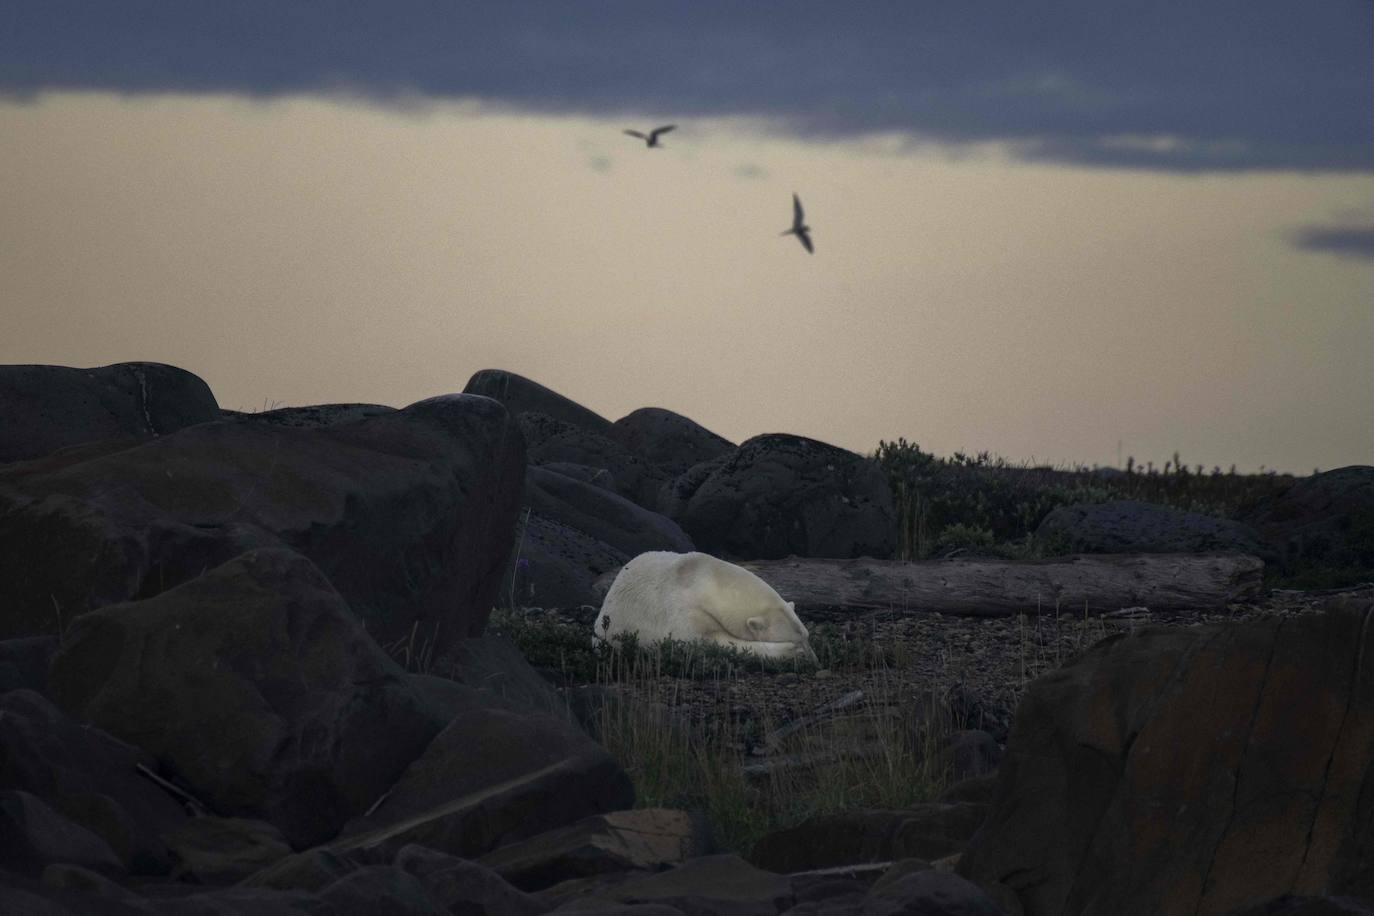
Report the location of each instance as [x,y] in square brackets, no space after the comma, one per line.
[799,227]
[651,139]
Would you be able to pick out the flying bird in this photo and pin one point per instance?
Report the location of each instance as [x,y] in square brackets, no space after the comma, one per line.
[651,139]
[799,227]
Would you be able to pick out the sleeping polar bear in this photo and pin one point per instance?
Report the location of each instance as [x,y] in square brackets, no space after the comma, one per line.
[690,596]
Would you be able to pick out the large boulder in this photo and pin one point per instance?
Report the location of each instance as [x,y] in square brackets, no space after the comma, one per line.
[257,686]
[1131,526]
[556,565]
[668,439]
[554,441]
[88,776]
[779,495]
[1191,771]
[45,408]
[34,836]
[931,830]
[520,395]
[1322,527]
[611,519]
[494,775]
[410,514]
[310,416]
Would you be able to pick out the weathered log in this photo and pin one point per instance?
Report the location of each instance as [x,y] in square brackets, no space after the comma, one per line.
[1085,583]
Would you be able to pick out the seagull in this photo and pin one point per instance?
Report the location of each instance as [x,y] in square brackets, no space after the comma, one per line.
[651,139]
[799,227]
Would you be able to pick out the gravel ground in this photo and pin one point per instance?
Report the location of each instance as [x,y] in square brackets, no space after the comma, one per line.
[977,668]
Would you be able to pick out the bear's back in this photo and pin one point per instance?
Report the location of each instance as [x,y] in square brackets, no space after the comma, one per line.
[646,597]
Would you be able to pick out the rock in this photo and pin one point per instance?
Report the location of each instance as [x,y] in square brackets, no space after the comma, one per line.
[24,663]
[19,901]
[495,668]
[926,831]
[311,416]
[611,519]
[1130,526]
[720,885]
[224,850]
[554,442]
[780,495]
[644,838]
[312,870]
[1289,905]
[34,836]
[242,901]
[929,891]
[46,408]
[257,686]
[88,776]
[556,566]
[520,395]
[977,789]
[492,777]
[382,889]
[409,514]
[466,887]
[584,472]
[1191,770]
[668,440]
[969,752]
[76,880]
[1322,527]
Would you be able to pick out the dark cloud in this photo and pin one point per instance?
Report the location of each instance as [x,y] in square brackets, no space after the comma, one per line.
[1176,84]
[1347,242]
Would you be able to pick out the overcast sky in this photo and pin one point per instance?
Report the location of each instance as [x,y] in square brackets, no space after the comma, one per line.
[1051,234]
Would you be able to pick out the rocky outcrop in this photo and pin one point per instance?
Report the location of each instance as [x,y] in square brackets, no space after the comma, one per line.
[668,440]
[257,687]
[46,408]
[1191,771]
[1129,526]
[409,514]
[556,442]
[1322,527]
[521,395]
[779,495]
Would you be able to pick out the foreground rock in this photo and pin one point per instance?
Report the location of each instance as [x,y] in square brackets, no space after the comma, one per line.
[779,495]
[46,408]
[1191,771]
[927,831]
[257,686]
[493,776]
[1130,526]
[668,440]
[410,514]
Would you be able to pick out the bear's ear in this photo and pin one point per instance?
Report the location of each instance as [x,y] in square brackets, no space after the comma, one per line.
[756,624]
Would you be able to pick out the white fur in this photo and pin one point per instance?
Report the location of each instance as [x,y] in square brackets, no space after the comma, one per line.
[690,596]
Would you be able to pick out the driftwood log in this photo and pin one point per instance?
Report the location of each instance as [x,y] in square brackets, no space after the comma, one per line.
[1091,583]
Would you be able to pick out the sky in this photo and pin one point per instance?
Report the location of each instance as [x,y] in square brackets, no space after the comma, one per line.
[1067,234]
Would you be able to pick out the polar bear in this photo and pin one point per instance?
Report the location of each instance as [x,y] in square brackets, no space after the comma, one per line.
[689,596]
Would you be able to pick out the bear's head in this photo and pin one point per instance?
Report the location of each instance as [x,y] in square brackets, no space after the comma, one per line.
[780,626]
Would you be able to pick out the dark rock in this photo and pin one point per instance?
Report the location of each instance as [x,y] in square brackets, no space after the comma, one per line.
[611,519]
[977,789]
[409,514]
[520,395]
[21,901]
[381,889]
[257,686]
[495,668]
[224,850]
[781,495]
[311,870]
[720,885]
[1130,526]
[89,776]
[45,408]
[466,887]
[1289,905]
[968,753]
[245,901]
[493,776]
[34,836]
[644,838]
[556,566]
[76,880]
[668,440]
[584,472]
[311,416]
[929,891]
[1322,527]
[24,663]
[554,442]
[929,830]
[1191,770]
